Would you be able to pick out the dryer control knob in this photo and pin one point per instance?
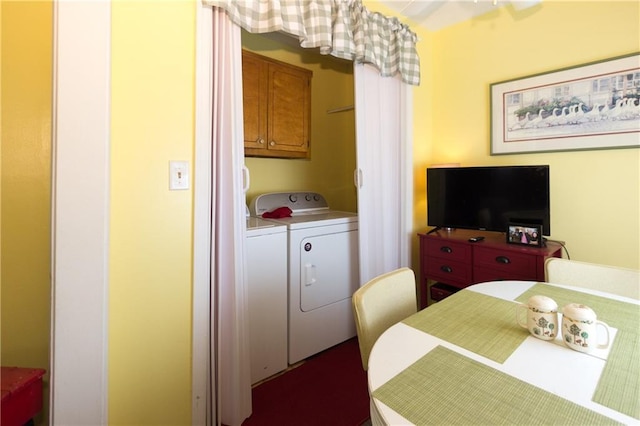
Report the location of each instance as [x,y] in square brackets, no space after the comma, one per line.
[293,198]
[307,197]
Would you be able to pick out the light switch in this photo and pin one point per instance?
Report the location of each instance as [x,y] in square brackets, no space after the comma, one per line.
[178,175]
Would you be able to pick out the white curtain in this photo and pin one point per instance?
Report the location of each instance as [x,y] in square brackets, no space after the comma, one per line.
[384,175]
[229,294]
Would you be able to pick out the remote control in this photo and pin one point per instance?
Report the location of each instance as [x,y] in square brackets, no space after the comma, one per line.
[476,239]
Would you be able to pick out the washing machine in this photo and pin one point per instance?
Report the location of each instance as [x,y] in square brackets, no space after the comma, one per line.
[266,269]
[323,270]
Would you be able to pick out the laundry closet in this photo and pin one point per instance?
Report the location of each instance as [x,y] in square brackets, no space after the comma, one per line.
[332,150]
[280,333]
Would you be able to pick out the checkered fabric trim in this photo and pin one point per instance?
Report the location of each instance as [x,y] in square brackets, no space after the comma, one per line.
[341,28]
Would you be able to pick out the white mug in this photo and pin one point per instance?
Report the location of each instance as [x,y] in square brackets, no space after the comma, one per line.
[581,329]
[542,317]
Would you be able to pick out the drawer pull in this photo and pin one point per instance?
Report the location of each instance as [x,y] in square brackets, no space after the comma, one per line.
[446,249]
[446,268]
[503,259]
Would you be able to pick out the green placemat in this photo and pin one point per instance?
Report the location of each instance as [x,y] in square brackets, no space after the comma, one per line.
[444,387]
[619,384]
[489,329]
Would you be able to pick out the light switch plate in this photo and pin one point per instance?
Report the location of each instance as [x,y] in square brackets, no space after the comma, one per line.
[178,175]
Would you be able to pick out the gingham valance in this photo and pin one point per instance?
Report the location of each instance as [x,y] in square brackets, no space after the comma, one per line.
[341,28]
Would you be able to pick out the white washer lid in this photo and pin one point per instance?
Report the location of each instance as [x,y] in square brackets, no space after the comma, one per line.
[257,226]
[320,218]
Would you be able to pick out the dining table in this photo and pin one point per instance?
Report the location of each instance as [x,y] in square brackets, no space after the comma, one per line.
[466,360]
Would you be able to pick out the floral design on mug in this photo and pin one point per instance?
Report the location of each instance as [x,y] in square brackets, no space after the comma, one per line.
[546,327]
[575,335]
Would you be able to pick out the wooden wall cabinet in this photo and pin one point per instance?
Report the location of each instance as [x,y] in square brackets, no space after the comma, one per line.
[277,108]
[450,262]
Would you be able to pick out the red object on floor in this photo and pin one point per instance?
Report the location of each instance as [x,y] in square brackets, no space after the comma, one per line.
[21,395]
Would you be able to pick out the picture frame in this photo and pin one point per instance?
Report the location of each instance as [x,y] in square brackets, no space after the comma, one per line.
[585,107]
[525,234]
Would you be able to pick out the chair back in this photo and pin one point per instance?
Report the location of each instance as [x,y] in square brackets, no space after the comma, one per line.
[612,279]
[381,303]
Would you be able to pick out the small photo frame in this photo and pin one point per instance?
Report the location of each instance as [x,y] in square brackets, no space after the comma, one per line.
[524,234]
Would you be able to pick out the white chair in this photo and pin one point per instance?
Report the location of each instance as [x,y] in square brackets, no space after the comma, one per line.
[381,303]
[612,279]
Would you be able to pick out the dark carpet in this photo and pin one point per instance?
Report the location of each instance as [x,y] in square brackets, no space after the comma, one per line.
[328,389]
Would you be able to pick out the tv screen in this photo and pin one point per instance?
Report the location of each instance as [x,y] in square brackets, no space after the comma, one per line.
[488,198]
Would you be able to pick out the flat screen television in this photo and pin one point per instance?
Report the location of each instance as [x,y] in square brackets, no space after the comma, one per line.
[488,198]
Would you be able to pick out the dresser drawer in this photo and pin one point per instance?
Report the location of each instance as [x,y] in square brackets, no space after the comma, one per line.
[481,275]
[512,264]
[437,248]
[449,271]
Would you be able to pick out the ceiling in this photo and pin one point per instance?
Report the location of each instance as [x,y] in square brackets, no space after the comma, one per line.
[437,14]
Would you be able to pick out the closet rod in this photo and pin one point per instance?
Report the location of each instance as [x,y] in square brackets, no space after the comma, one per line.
[344,108]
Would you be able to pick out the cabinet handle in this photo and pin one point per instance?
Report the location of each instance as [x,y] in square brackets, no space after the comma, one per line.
[260,141]
[272,143]
[503,259]
[446,249]
[446,268]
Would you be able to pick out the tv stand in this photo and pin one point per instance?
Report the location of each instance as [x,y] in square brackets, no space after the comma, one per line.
[450,262]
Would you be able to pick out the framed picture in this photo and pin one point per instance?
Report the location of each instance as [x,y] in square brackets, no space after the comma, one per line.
[525,234]
[591,106]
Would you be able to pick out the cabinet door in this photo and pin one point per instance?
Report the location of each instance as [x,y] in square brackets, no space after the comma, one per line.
[254,98]
[289,109]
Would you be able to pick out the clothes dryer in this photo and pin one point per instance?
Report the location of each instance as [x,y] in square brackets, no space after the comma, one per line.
[323,270]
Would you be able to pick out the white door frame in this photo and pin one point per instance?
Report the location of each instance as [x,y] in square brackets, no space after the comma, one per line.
[203,411]
[80,212]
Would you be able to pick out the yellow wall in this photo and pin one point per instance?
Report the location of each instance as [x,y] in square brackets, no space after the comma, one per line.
[26,92]
[330,168]
[594,194]
[153,69]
